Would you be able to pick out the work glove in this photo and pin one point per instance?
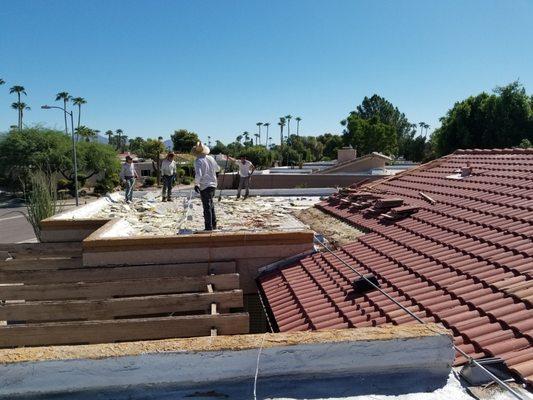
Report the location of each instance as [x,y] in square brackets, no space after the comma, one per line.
[197,189]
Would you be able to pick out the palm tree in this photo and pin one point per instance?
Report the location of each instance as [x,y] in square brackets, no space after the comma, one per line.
[288,118]
[259,128]
[257,136]
[238,138]
[86,133]
[20,106]
[281,124]
[18,90]
[426,126]
[422,124]
[119,139]
[246,135]
[109,134]
[267,124]
[78,101]
[209,141]
[298,119]
[269,140]
[65,97]
[2,81]
[124,140]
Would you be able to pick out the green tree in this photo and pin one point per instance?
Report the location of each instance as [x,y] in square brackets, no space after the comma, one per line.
[78,101]
[267,124]
[369,135]
[258,136]
[65,97]
[85,133]
[136,145]
[21,107]
[498,120]
[331,143]
[220,148]
[18,90]
[281,124]
[152,149]
[109,134]
[183,140]
[525,144]
[298,119]
[118,139]
[379,109]
[288,118]
[49,150]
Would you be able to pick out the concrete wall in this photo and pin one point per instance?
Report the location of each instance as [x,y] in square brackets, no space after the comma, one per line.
[422,352]
[287,181]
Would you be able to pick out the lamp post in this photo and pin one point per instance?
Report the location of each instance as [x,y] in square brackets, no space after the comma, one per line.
[74,156]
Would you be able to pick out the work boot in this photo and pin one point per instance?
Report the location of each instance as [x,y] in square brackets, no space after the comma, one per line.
[169,199]
[164,200]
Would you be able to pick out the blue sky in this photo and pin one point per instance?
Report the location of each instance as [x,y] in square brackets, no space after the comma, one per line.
[217,67]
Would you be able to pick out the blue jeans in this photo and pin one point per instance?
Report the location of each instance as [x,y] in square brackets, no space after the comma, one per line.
[130,184]
[167,186]
[210,218]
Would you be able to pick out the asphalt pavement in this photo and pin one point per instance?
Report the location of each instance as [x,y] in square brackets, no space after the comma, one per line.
[14,227]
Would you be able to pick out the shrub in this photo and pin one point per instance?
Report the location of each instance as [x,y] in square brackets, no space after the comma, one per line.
[63,184]
[149,181]
[41,199]
[107,184]
[186,180]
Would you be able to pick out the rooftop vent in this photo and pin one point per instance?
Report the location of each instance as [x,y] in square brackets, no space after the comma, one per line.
[362,285]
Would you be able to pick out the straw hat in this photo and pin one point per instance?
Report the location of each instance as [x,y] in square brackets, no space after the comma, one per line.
[200,149]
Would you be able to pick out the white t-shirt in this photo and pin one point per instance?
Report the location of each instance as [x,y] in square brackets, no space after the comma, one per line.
[127,171]
[244,169]
[205,172]
[168,168]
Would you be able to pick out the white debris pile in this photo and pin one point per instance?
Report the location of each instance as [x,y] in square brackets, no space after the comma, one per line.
[149,216]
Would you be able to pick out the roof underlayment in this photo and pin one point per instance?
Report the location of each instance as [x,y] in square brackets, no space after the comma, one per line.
[461,254]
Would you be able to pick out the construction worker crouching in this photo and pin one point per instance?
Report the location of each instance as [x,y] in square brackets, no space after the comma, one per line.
[168,174]
[205,181]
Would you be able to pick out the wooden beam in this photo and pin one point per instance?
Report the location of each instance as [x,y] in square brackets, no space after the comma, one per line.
[96,274]
[121,307]
[39,264]
[127,287]
[122,330]
[36,250]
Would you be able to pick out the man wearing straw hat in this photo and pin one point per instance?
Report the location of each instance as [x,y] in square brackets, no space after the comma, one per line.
[205,181]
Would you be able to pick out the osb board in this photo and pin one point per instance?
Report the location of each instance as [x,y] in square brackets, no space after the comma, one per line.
[220,343]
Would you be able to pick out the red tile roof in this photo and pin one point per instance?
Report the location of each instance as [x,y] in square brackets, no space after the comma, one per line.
[465,261]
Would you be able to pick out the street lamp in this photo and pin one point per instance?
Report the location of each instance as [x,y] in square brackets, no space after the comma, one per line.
[45,107]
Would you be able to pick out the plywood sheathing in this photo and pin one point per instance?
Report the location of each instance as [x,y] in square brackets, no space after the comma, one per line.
[219,343]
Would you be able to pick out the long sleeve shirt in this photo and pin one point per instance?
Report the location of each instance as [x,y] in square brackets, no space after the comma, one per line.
[128,171]
[168,168]
[205,172]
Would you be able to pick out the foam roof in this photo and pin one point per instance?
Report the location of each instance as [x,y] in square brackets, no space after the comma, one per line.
[465,261]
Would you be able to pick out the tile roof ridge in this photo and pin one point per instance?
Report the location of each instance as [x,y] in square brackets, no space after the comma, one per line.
[513,150]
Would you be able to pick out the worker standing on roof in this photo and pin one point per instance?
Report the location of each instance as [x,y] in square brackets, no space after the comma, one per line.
[205,181]
[246,169]
[168,172]
[128,175]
